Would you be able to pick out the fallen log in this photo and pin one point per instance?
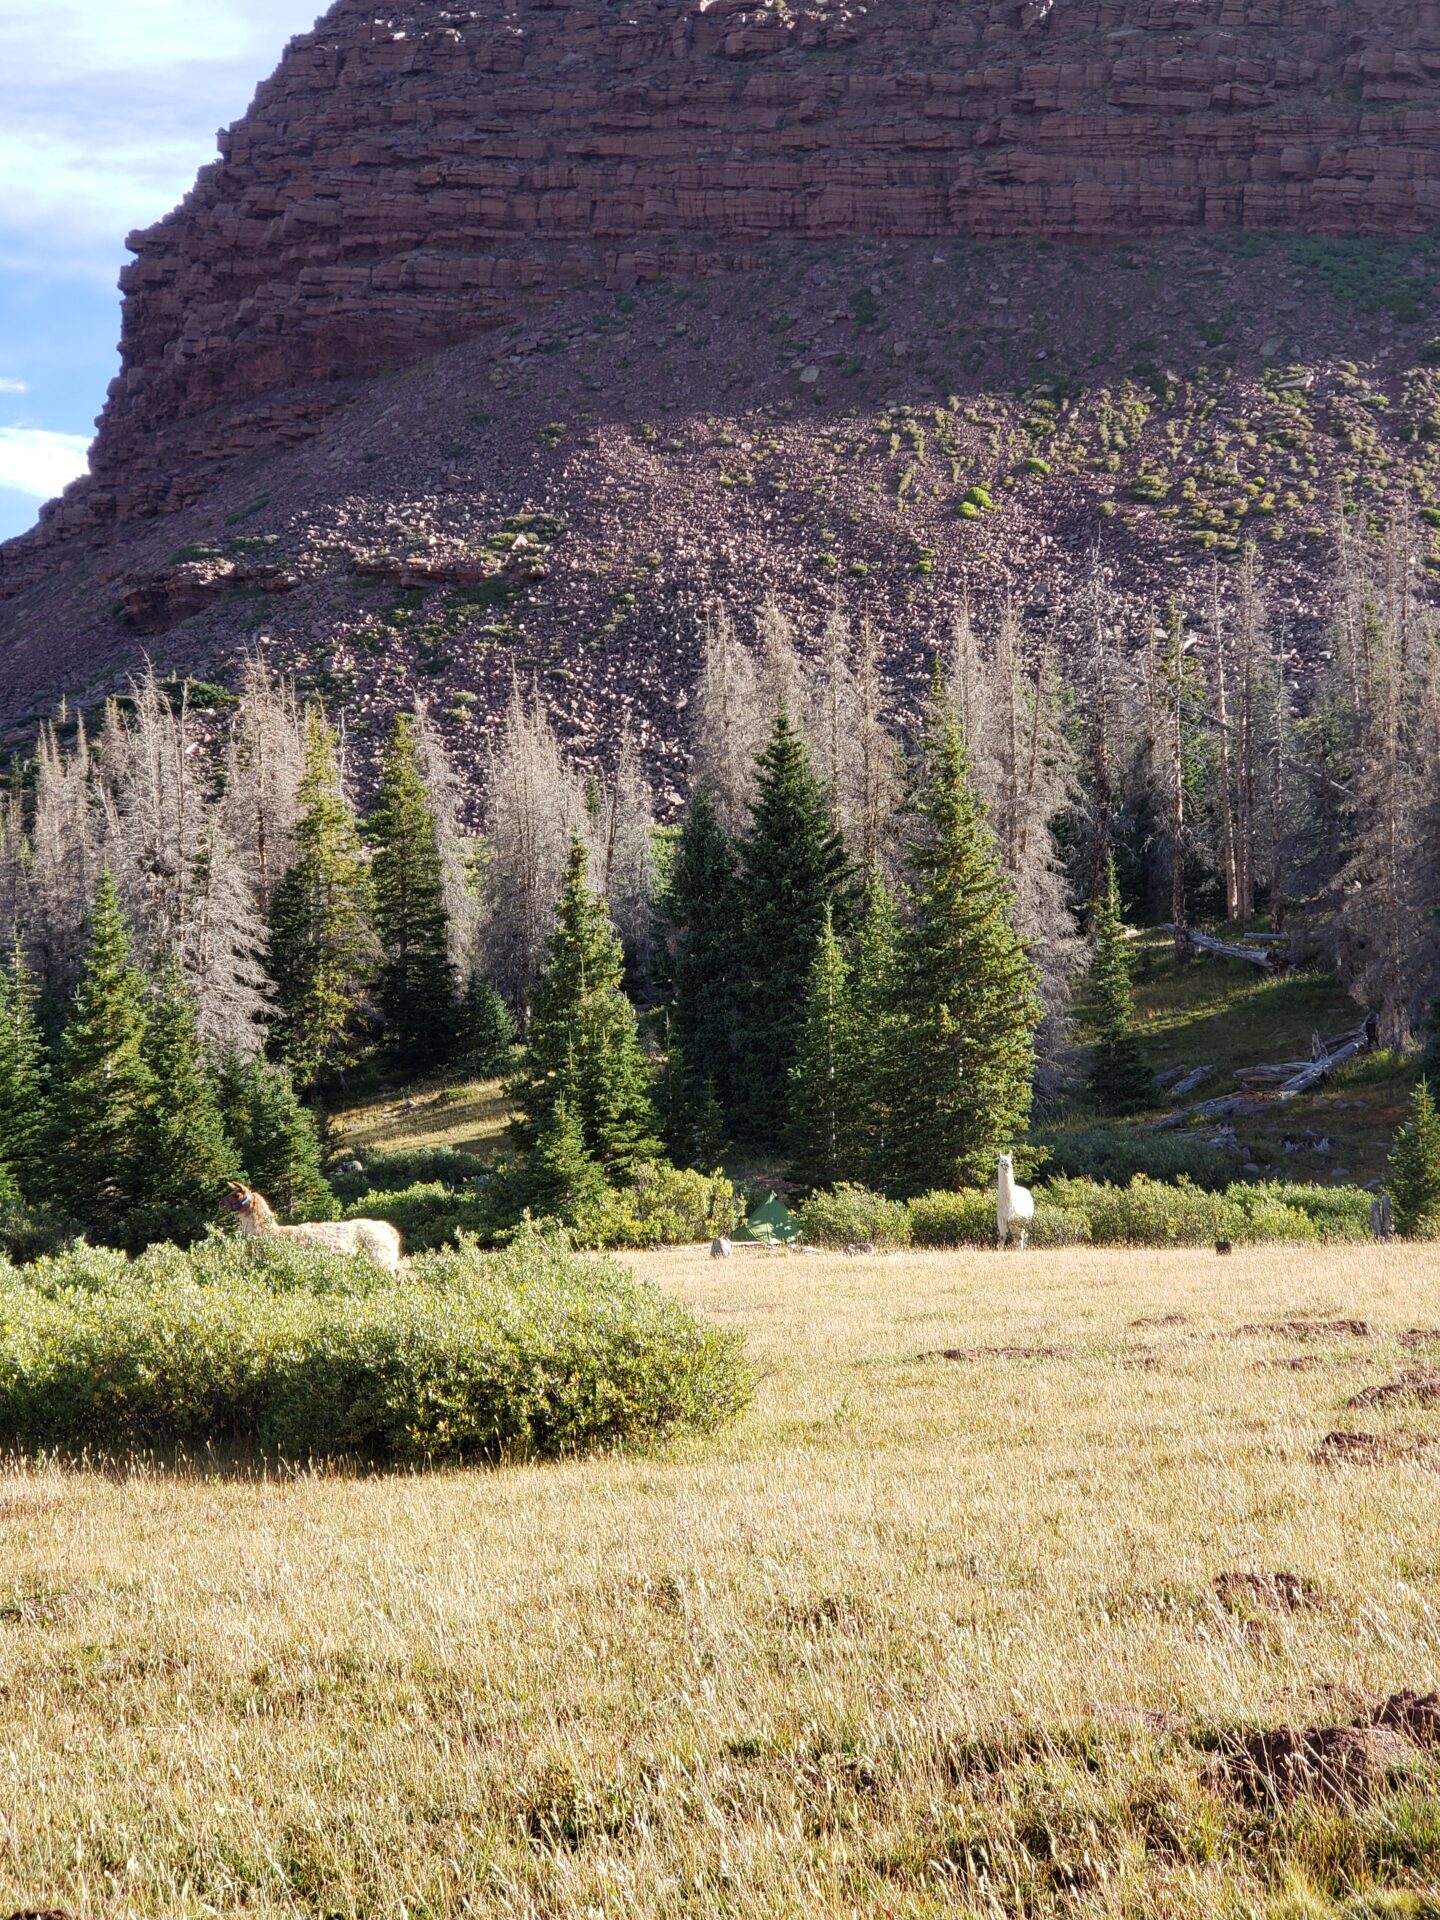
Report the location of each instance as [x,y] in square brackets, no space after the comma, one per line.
[1227,1107]
[1273,1075]
[1260,957]
[1330,1054]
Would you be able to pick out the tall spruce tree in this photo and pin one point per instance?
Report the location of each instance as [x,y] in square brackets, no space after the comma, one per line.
[487,1032]
[23,1107]
[793,870]
[872,996]
[702,916]
[964,1007]
[416,987]
[185,1154]
[562,1179]
[688,1112]
[323,949]
[102,1085]
[822,1112]
[275,1138]
[1120,1081]
[1415,1168]
[584,1043]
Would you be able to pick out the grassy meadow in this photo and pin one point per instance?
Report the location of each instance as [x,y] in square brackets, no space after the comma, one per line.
[916,1636]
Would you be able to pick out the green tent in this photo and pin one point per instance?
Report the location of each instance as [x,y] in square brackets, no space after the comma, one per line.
[771,1225]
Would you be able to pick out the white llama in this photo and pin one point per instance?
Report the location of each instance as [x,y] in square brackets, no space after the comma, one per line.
[1014,1206]
[255,1217]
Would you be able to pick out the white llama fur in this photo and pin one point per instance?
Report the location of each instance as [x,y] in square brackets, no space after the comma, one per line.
[376,1239]
[1014,1206]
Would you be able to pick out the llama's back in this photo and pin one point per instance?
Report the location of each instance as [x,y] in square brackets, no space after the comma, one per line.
[376,1239]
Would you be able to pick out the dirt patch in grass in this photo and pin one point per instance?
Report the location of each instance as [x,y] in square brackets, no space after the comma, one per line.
[42,1608]
[1160,1320]
[1277,1592]
[1416,1387]
[996,1353]
[1344,1449]
[1307,1330]
[1295,1363]
[1420,1337]
[1338,1763]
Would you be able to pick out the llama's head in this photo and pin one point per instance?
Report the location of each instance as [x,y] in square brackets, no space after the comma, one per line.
[1007,1167]
[238,1199]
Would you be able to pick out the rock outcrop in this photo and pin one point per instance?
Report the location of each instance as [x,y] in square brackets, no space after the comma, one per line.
[416,173]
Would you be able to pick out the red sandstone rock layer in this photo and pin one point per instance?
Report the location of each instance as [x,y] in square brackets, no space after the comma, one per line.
[415,173]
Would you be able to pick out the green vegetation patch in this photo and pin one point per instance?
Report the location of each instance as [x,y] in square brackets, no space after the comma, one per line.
[536,1352]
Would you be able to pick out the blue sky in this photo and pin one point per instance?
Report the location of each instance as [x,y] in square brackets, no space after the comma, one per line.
[106,113]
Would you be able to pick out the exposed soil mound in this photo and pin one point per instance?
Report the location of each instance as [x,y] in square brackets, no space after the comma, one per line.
[1341,1763]
[1342,1449]
[1277,1592]
[1309,1330]
[1416,1387]
[1416,1715]
[996,1353]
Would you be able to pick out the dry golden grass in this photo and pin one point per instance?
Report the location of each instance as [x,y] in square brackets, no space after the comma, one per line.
[470,1115]
[917,1637]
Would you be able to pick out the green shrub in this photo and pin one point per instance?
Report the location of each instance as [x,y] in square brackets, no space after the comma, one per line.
[533,1352]
[389,1172]
[967,1219]
[664,1206]
[1152,1213]
[963,1219]
[1337,1213]
[429,1215]
[1116,1154]
[850,1216]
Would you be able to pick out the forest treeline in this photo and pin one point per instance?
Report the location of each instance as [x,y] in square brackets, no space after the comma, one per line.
[848,951]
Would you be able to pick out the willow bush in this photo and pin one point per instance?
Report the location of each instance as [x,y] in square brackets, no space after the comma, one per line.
[300,1356]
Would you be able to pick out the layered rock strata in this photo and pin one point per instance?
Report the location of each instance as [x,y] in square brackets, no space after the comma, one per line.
[414,174]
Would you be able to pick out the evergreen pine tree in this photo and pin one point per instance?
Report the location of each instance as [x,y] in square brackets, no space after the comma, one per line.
[960,1041]
[1415,1168]
[583,1037]
[872,995]
[102,1086]
[23,1114]
[185,1155]
[487,1032]
[322,940]
[416,987]
[1120,1081]
[1430,1058]
[792,868]
[701,908]
[562,1179]
[275,1138]
[688,1111]
[822,1150]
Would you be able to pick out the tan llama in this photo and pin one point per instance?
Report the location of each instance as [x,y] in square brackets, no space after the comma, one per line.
[255,1217]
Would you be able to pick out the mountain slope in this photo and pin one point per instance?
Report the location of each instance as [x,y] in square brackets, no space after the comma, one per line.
[509,337]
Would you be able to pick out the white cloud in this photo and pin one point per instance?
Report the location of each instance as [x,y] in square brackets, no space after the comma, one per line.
[106,112]
[40,464]
[13,386]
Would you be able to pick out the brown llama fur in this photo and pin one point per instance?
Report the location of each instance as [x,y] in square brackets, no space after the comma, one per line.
[377,1240]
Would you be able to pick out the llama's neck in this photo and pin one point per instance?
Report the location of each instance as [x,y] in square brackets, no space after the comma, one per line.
[1007,1183]
[258,1219]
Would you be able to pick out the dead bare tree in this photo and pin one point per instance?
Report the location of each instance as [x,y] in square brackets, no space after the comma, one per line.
[731,722]
[536,805]
[264,761]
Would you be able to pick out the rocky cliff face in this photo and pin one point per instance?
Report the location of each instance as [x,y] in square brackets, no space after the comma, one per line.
[414,174]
